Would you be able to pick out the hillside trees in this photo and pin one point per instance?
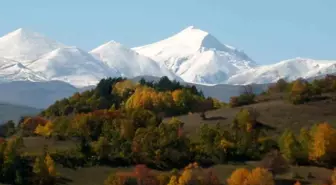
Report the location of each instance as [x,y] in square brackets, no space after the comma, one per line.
[256,177]
[301,91]
[44,170]
[13,168]
[289,146]
[315,145]
[323,144]
[7,129]
[120,93]
[246,97]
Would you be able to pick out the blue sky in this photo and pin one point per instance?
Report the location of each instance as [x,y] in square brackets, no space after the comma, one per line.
[268,31]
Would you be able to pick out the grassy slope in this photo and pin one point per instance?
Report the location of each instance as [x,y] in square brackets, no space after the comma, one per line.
[278,114]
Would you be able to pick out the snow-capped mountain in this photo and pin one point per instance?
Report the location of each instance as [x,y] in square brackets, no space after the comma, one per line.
[72,65]
[287,69]
[11,70]
[128,62]
[192,55]
[24,45]
[198,57]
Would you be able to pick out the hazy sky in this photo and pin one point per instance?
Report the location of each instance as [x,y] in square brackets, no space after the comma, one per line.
[267,30]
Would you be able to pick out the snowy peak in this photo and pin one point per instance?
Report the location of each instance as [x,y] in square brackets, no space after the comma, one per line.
[72,65]
[108,46]
[190,39]
[197,38]
[24,45]
[128,62]
[197,56]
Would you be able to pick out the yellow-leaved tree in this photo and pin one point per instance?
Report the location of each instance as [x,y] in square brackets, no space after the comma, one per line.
[149,98]
[173,180]
[186,177]
[45,130]
[259,176]
[238,177]
[50,165]
[323,146]
[45,171]
[299,91]
[124,88]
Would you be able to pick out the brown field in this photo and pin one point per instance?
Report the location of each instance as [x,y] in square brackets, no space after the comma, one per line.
[279,114]
[35,145]
[97,175]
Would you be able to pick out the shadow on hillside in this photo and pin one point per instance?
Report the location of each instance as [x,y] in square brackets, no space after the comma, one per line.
[214,118]
[289,182]
[63,180]
[265,126]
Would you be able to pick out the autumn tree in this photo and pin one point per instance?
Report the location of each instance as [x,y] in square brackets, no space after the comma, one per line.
[173,180]
[246,97]
[127,129]
[50,164]
[45,130]
[280,86]
[30,124]
[112,179]
[12,168]
[124,88]
[323,144]
[299,92]
[259,176]
[247,130]
[44,170]
[238,177]
[101,148]
[148,98]
[297,183]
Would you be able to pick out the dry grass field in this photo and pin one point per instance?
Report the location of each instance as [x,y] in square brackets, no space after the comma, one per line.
[278,114]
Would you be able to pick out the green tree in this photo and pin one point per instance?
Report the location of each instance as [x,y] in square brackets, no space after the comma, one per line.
[289,146]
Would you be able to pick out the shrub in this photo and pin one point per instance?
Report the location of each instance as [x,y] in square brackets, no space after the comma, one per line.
[244,99]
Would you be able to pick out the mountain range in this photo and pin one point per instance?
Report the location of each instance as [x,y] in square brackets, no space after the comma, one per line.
[191,56]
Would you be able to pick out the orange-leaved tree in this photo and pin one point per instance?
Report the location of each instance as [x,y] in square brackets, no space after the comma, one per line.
[323,146]
[238,177]
[259,176]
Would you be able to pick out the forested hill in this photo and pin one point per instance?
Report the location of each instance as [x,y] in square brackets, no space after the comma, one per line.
[164,96]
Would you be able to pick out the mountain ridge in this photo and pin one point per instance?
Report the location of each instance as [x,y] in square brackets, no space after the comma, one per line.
[191,55]
[24,45]
[128,62]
